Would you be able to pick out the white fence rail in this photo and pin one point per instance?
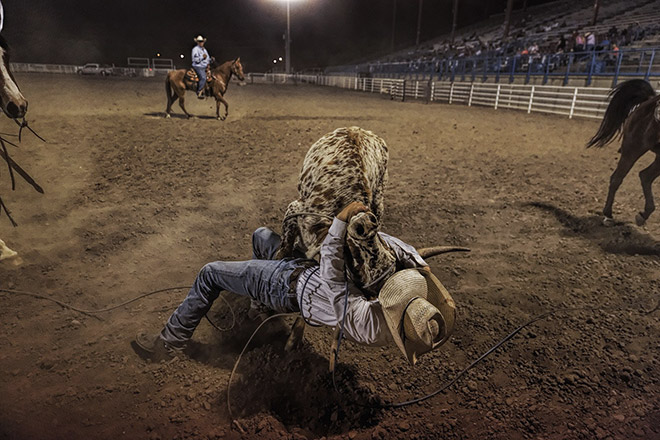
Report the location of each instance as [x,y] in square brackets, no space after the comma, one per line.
[71,69]
[43,68]
[587,102]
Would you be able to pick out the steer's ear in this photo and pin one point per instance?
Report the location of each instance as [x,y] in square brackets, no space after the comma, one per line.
[437,250]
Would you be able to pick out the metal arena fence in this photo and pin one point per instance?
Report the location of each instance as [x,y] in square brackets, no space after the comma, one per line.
[586,102]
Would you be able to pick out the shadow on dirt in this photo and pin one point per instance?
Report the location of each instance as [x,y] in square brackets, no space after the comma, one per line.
[177,115]
[277,392]
[619,239]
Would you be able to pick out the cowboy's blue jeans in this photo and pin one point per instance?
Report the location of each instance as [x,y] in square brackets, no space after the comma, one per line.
[261,278]
[201,74]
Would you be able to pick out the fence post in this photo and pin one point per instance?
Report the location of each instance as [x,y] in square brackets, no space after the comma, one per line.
[591,67]
[451,92]
[619,56]
[485,68]
[497,96]
[568,68]
[570,114]
[470,98]
[403,91]
[648,71]
[432,91]
[530,63]
[641,61]
[416,89]
[531,99]
[513,69]
[547,69]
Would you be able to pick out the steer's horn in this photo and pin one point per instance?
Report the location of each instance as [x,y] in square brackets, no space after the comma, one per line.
[437,250]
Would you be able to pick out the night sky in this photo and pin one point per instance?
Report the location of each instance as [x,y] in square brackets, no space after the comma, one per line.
[323,32]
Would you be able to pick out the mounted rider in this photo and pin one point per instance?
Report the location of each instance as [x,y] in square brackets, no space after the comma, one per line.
[200,62]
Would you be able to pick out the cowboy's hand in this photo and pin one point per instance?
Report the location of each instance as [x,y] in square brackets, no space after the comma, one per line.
[349,211]
[204,56]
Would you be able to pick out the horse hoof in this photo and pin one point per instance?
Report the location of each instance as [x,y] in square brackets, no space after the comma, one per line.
[608,221]
[639,219]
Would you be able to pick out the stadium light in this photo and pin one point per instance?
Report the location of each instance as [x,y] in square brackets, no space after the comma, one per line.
[279,59]
[181,56]
[287,37]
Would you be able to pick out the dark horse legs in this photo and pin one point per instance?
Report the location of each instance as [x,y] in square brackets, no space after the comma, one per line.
[629,155]
[647,176]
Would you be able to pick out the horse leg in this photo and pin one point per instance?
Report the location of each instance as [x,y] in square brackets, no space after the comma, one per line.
[219,99]
[181,104]
[170,101]
[628,158]
[647,176]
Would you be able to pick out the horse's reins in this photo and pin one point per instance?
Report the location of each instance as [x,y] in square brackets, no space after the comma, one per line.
[13,166]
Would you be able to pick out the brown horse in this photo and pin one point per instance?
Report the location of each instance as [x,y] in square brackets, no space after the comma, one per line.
[634,111]
[177,83]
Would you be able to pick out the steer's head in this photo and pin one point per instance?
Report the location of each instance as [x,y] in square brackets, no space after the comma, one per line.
[370,260]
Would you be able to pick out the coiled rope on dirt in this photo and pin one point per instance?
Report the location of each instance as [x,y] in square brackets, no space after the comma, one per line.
[93,313]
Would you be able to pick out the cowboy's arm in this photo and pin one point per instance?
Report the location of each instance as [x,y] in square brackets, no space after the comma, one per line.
[332,249]
[365,322]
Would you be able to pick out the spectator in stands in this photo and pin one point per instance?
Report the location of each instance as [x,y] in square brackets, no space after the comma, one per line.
[579,42]
[533,49]
[591,41]
[613,33]
[604,45]
[561,46]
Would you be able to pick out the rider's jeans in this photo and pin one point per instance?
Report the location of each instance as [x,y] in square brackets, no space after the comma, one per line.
[201,74]
[261,278]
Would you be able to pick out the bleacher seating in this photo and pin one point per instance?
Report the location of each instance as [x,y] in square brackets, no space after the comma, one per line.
[623,25]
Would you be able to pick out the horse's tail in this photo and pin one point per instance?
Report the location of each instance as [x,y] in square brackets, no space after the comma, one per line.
[625,97]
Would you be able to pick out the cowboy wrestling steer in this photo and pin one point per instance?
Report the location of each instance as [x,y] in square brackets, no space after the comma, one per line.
[349,164]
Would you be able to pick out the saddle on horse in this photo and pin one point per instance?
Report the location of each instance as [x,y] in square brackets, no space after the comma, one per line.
[191,80]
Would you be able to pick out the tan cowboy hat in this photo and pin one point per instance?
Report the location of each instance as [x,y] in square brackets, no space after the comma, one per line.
[199,39]
[418,310]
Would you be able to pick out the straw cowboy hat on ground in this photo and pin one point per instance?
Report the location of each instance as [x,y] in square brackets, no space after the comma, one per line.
[418,310]
[200,39]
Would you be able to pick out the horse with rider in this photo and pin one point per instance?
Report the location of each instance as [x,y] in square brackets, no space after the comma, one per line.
[205,77]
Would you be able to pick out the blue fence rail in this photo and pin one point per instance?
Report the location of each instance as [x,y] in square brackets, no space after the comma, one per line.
[615,64]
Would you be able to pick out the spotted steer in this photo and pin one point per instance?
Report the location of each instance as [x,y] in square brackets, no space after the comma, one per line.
[349,164]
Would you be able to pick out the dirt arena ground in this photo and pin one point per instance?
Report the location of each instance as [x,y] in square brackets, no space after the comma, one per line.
[135,202]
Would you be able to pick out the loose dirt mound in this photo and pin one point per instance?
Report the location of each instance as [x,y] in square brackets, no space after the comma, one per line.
[135,202]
